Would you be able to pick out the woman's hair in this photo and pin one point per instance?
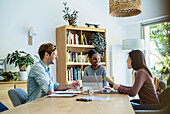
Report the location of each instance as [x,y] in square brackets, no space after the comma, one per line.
[49,48]
[138,60]
[91,53]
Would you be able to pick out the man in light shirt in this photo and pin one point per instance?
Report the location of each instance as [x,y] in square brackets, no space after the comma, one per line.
[40,79]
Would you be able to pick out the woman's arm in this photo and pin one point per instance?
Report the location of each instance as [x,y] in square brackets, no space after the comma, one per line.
[139,81]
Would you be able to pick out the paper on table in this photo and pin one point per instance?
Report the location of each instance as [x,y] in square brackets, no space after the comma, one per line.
[67,92]
[99,98]
[61,95]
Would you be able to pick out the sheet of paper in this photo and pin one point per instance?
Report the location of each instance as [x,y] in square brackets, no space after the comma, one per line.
[61,95]
[67,92]
[99,98]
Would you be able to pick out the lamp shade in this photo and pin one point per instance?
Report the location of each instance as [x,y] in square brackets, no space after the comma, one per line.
[124,8]
[130,44]
[32,31]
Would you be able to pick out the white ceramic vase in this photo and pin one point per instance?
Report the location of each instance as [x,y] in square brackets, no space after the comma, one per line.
[23,75]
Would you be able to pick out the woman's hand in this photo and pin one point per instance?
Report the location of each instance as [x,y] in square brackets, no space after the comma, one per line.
[116,86]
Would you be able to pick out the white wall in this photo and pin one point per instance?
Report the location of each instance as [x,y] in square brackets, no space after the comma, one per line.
[151,9]
[46,15]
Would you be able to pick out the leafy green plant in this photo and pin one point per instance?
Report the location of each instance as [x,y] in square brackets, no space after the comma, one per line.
[20,59]
[98,40]
[9,76]
[160,35]
[70,17]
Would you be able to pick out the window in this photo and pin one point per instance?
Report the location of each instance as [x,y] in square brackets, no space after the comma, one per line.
[157,36]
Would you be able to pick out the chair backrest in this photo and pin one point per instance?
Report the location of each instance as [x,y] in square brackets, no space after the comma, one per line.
[18,96]
[164,97]
[164,110]
[159,85]
[162,85]
[2,107]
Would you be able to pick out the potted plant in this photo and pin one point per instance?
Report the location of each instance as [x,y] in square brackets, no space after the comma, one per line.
[98,40]
[22,60]
[70,17]
[9,76]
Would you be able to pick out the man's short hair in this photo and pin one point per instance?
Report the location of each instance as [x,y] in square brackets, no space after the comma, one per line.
[49,48]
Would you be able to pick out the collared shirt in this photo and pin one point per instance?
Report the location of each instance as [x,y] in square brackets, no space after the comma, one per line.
[40,81]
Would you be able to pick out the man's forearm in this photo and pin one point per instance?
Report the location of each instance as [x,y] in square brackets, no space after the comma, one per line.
[62,87]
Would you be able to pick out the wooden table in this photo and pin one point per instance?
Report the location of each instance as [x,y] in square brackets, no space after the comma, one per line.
[120,105]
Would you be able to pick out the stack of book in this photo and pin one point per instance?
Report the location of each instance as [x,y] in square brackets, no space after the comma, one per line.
[72,38]
[74,73]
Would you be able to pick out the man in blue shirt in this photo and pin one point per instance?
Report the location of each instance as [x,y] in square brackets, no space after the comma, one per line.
[40,79]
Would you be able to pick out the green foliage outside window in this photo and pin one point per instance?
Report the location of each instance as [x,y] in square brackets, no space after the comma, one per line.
[160,35]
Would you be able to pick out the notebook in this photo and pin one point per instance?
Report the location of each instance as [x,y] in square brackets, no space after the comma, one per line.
[92,81]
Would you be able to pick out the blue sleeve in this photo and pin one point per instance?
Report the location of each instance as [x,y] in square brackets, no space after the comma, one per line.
[104,71]
[55,84]
[103,75]
[85,72]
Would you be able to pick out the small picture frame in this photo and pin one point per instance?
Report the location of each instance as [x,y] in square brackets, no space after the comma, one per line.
[2,65]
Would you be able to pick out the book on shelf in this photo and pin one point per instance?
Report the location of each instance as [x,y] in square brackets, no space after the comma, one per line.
[67,56]
[74,73]
[85,39]
[72,56]
[82,40]
[72,38]
[71,74]
[67,37]
[79,73]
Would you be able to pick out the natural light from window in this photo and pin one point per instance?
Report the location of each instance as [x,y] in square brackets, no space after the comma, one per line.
[157,39]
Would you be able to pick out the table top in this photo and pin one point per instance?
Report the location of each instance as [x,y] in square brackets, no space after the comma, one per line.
[119,105]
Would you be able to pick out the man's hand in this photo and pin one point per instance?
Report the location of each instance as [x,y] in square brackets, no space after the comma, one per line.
[116,86]
[74,85]
[50,92]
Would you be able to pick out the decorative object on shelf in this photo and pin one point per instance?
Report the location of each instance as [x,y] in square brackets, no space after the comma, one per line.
[95,25]
[70,17]
[22,60]
[98,40]
[31,32]
[9,76]
[124,8]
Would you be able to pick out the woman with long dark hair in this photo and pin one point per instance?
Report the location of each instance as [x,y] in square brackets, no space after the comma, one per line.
[143,85]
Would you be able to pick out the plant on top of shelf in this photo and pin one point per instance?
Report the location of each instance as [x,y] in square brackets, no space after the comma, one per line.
[98,40]
[20,59]
[70,17]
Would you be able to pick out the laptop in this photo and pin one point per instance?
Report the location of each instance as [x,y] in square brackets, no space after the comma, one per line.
[92,81]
